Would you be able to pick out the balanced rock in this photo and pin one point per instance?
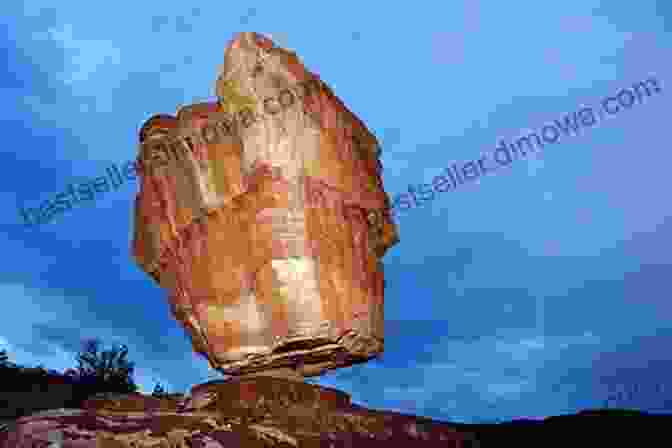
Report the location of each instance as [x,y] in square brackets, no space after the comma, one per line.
[263,215]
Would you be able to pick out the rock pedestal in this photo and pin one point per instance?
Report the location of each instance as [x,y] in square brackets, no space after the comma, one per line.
[252,412]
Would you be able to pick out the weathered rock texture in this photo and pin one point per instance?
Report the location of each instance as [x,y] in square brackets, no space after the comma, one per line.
[259,412]
[264,216]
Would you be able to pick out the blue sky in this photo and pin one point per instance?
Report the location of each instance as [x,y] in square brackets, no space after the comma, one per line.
[514,296]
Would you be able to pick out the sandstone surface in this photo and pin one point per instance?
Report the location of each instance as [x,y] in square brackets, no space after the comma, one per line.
[259,412]
[263,215]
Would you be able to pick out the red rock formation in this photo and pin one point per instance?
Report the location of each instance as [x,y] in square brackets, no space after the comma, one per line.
[259,412]
[264,216]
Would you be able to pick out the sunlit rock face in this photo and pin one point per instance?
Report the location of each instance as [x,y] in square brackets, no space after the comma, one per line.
[263,214]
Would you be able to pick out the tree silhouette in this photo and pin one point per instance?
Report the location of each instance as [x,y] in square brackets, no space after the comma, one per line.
[13,376]
[103,371]
[159,391]
[8,372]
[5,363]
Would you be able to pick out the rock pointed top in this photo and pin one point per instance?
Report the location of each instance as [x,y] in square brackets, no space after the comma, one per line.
[245,43]
[245,52]
[241,54]
[249,39]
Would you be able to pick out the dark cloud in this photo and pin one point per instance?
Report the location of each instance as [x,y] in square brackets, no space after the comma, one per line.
[410,342]
[625,370]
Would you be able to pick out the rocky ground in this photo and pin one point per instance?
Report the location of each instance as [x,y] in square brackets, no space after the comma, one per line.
[270,412]
[259,412]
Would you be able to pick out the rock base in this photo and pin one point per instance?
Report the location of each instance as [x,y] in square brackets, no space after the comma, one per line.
[247,412]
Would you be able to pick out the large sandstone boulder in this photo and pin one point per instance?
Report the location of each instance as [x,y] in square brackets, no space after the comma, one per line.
[263,215]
